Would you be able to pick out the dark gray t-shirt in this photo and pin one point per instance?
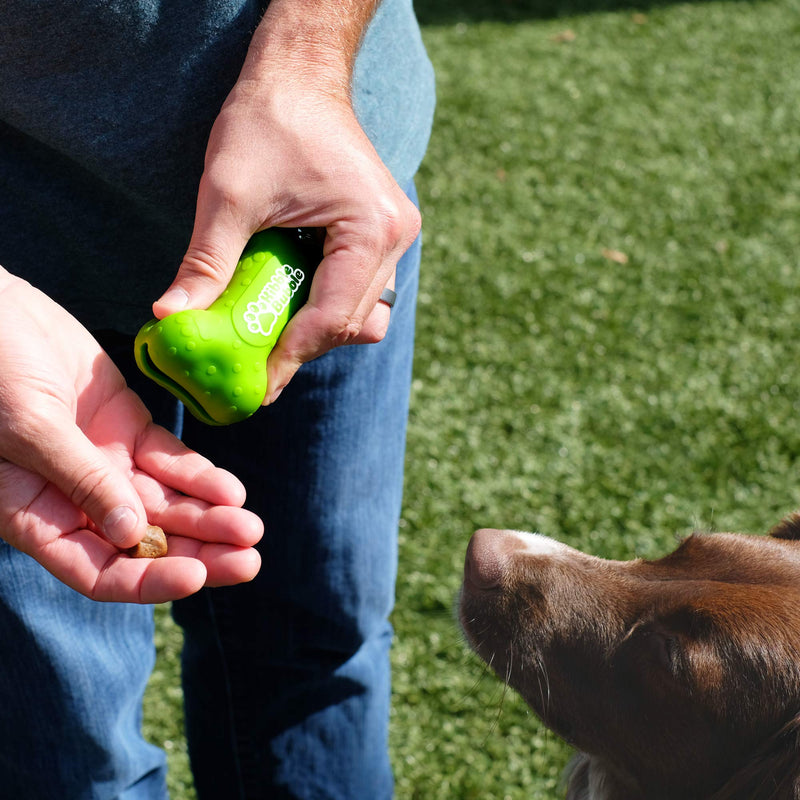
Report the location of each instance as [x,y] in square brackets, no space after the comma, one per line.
[105,110]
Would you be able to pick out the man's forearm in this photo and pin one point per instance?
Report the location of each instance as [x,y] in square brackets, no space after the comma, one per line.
[309,40]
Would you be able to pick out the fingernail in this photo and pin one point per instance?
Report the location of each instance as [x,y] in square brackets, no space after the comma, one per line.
[176,299]
[120,524]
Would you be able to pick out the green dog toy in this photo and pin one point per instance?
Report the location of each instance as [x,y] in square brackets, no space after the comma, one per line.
[215,361]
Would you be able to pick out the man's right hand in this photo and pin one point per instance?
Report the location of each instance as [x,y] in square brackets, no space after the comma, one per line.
[287,150]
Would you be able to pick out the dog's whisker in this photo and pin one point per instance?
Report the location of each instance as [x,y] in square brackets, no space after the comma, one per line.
[543,680]
[510,664]
[504,690]
[473,689]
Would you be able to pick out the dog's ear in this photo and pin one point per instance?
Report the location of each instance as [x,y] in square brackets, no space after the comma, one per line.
[788,528]
[772,774]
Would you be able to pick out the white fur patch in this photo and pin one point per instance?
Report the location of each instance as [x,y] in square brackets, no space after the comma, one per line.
[539,545]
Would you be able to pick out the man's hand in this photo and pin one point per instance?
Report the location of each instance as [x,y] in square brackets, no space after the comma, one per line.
[83,469]
[287,150]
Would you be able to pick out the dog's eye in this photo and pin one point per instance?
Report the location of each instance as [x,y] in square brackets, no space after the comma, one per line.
[649,651]
[660,649]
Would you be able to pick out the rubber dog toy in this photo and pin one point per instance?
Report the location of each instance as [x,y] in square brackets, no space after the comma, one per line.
[215,360]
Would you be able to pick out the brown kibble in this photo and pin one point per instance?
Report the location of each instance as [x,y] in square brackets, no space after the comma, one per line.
[154,544]
[617,256]
[564,36]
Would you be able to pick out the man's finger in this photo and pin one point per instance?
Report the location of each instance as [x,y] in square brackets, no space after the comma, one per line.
[62,454]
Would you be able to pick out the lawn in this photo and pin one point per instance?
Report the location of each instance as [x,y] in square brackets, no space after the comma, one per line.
[606,332]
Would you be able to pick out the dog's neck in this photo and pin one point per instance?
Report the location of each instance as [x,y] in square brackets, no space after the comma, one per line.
[590,778]
[771,774]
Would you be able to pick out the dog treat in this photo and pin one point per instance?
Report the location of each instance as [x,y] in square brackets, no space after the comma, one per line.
[215,361]
[154,544]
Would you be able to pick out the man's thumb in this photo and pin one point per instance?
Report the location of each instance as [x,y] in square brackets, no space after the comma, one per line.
[92,483]
[205,271]
[214,250]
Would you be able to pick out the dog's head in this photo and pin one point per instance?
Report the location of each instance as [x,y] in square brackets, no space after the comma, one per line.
[670,674]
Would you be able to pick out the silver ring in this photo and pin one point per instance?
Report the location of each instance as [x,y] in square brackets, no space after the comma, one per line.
[388,296]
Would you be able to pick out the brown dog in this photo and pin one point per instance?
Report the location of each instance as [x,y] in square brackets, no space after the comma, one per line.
[677,679]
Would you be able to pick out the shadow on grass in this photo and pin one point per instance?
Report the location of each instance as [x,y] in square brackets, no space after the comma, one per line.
[442,12]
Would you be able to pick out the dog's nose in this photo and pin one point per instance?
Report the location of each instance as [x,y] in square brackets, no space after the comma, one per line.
[486,558]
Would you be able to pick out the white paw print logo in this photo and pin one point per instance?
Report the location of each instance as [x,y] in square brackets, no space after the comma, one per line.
[261,315]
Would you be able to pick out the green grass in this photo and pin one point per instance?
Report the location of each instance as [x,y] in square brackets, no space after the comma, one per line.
[607,333]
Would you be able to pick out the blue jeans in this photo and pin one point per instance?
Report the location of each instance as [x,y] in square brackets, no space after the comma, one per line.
[286,679]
